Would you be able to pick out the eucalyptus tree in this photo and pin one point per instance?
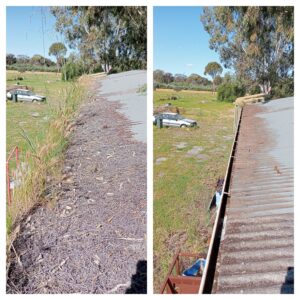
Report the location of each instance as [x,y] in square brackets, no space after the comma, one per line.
[196,79]
[10,59]
[256,41]
[158,76]
[115,36]
[58,50]
[180,78]
[213,69]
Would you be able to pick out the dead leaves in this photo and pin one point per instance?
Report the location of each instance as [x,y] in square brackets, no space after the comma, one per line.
[110,219]
[59,267]
[96,260]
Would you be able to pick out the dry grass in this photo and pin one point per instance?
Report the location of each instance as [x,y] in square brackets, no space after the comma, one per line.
[182,91]
[44,157]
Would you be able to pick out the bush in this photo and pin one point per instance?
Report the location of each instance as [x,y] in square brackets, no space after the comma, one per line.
[113,71]
[230,91]
[177,89]
[255,90]
[71,71]
[28,67]
[155,86]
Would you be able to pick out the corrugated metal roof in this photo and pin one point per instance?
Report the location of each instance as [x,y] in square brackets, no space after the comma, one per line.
[257,248]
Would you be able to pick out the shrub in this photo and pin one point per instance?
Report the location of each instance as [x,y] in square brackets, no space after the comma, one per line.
[28,67]
[230,91]
[180,86]
[71,71]
[284,88]
[177,89]
[155,86]
[113,71]
[254,90]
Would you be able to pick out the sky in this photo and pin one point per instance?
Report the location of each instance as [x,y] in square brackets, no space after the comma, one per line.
[181,45]
[24,33]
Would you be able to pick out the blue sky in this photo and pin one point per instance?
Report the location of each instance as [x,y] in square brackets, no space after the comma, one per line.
[180,43]
[24,33]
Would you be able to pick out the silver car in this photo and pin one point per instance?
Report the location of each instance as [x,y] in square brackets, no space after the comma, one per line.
[25,95]
[174,120]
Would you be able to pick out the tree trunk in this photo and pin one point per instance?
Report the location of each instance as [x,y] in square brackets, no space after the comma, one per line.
[57,64]
[266,87]
[65,70]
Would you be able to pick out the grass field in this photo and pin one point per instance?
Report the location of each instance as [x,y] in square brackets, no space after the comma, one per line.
[187,164]
[19,116]
[38,129]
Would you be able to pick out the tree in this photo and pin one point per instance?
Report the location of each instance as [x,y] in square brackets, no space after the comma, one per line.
[10,59]
[213,69]
[196,79]
[158,76]
[218,80]
[205,81]
[23,59]
[168,78]
[37,60]
[115,36]
[230,91]
[49,62]
[132,47]
[228,78]
[58,50]
[256,41]
[181,78]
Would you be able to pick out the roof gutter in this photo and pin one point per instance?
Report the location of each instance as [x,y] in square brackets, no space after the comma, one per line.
[213,250]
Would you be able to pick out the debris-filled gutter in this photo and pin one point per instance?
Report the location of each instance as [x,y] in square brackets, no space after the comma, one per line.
[212,255]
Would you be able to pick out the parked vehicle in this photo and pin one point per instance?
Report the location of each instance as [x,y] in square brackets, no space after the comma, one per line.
[174,120]
[24,95]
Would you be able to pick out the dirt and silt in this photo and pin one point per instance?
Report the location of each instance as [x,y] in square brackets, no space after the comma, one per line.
[94,238]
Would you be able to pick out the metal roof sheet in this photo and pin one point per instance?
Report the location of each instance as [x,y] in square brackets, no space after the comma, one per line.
[257,248]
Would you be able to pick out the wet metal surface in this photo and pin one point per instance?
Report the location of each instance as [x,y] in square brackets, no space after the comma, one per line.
[257,248]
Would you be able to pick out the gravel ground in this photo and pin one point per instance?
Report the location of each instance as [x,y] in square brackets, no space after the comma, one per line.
[94,239]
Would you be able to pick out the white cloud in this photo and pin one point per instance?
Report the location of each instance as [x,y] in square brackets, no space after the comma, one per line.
[189,65]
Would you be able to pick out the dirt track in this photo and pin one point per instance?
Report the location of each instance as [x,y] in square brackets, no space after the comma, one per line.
[94,239]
